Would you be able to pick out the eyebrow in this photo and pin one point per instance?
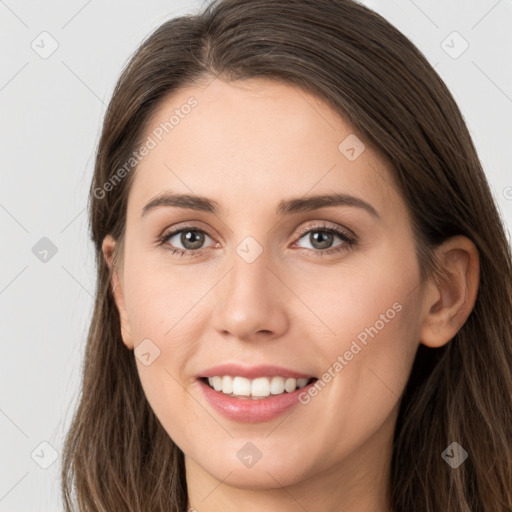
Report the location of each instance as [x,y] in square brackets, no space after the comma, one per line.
[285,207]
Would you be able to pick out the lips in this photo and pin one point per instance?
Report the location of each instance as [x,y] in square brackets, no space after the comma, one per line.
[252,409]
[246,410]
[253,372]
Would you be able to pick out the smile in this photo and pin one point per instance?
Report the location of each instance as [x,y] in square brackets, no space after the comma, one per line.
[258,388]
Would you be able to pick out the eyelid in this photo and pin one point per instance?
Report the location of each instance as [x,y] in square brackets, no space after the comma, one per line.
[192,225]
[319,225]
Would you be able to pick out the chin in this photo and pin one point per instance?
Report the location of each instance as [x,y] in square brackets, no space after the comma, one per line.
[274,472]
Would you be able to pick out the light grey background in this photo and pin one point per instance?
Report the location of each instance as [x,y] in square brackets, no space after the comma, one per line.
[52,110]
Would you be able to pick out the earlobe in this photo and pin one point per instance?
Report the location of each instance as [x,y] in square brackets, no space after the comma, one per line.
[107,248]
[451,297]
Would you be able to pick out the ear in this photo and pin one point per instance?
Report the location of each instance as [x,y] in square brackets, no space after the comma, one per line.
[450,298]
[107,248]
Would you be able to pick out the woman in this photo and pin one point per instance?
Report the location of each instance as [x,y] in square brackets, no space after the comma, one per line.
[229,366]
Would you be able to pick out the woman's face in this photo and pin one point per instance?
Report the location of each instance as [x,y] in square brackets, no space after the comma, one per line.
[272,292]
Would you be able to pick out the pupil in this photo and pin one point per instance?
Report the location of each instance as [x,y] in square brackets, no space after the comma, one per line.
[195,238]
[325,239]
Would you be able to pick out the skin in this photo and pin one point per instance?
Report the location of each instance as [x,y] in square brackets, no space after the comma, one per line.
[249,145]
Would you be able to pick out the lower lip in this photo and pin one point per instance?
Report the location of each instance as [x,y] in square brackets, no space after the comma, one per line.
[248,410]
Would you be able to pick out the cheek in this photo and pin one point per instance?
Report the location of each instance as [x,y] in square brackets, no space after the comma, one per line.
[370,329]
[161,300]
[163,322]
[366,299]
[172,339]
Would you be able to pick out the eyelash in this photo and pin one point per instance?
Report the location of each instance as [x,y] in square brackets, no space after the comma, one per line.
[350,241]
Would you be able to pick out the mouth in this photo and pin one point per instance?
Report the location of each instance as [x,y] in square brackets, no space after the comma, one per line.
[253,394]
[259,388]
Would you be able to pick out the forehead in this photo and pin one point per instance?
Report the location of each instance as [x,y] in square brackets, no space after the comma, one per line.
[260,139]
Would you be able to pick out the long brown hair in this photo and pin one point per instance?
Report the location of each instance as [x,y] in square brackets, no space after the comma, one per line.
[117,456]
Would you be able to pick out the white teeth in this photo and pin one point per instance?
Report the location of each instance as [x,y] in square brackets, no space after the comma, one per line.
[216,383]
[277,385]
[227,384]
[290,385]
[301,382]
[260,387]
[241,386]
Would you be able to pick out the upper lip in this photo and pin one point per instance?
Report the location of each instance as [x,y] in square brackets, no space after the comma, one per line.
[252,372]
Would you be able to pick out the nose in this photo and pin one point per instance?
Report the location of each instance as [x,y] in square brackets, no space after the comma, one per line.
[251,301]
